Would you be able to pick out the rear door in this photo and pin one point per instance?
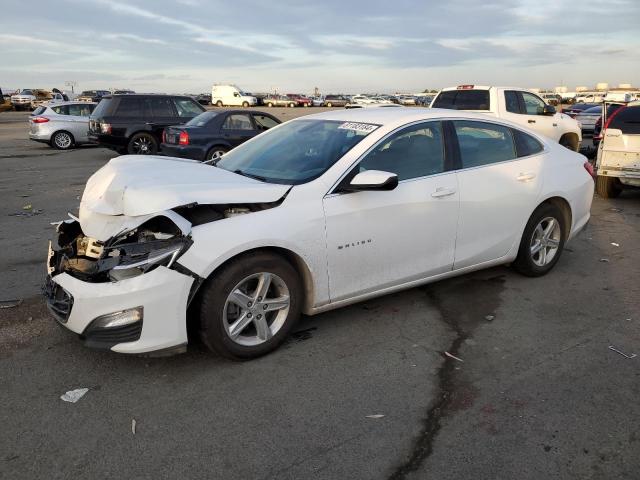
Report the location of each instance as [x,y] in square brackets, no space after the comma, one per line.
[160,112]
[238,128]
[498,188]
[78,116]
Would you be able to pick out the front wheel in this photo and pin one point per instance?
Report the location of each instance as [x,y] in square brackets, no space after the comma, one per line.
[219,103]
[329,104]
[245,104]
[542,241]
[249,307]
[142,144]
[608,187]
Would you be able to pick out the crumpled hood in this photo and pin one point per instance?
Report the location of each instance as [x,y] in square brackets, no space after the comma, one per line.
[135,185]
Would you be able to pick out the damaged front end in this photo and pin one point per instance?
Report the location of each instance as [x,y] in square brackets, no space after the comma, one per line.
[157,241]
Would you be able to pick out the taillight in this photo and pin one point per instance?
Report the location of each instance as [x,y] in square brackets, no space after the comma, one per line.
[39,119]
[589,168]
[164,136]
[184,138]
[105,128]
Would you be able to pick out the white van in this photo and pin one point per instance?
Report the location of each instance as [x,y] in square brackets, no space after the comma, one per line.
[231,95]
[624,97]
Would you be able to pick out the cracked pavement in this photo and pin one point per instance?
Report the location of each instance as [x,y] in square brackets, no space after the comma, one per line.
[538,394]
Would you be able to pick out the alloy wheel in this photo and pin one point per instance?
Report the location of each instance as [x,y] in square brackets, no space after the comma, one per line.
[216,155]
[256,309]
[142,146]
[62,140]
[545,241]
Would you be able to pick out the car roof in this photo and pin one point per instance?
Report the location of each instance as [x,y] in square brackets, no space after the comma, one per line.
[391,116]
[72,102]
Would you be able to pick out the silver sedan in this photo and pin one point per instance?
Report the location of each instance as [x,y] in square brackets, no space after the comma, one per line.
[61,125]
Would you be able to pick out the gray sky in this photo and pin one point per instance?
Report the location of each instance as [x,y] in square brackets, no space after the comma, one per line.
[335,45]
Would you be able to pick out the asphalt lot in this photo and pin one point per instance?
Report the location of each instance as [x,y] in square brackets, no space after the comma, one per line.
[538,395]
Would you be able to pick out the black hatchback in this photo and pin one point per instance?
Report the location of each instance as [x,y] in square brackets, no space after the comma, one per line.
[211,134]
[134,123]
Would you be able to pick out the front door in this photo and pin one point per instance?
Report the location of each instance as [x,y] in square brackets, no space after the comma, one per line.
[378,239]
[527,110]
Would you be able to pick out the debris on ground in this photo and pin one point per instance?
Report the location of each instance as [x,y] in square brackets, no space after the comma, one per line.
[28,213]
[604,260]
[453,356]
[377,415]
[489,318]
[133,426]
[27,207]
[615,244]
[72,396]
[10,303]
[633,355]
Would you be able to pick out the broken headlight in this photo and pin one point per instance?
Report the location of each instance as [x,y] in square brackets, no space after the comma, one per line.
[129,254]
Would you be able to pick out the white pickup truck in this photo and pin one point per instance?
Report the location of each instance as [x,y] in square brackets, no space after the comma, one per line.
[515,104]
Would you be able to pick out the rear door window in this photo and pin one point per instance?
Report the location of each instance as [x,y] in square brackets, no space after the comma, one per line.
[160,107]
[525,144]
[627,120]
[39,111]
[512,101]
[483,143]
[128,107]
[237,121]
[104,107]
[463,100]
[80,109]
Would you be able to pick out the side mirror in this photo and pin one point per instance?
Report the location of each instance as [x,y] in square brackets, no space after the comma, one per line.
[548,110]
[372,180]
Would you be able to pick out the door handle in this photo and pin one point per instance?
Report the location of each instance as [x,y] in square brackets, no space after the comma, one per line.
[525,177]
[531,121]
[443,192]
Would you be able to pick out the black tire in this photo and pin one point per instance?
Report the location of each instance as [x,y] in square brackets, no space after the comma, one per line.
[269,104]
[219,103]
[291,105]
[524,262]
[569,142]
[62,140]
[608,187]
[329,104]
[245,104]
[215,149]
[142,144]
[218,287]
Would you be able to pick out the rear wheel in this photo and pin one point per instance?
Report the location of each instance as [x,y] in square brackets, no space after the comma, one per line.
[142,144]
[249,307]
[608,187]
[542,241]
[216,153]
[329,104]
[62,140]
[269,104]
[291,105]
[219,103]
[245,104]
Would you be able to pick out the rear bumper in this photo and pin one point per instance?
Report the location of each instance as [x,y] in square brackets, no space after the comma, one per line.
[183,151]
[162,293]
[108,141]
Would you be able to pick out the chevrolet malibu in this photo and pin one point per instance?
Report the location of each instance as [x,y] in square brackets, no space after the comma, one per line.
[314,214]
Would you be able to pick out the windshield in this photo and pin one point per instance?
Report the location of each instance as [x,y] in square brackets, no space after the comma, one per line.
[26,92]
[201,120]
[296,152]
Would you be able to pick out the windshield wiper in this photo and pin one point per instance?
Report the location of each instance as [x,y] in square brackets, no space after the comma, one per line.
[250,175]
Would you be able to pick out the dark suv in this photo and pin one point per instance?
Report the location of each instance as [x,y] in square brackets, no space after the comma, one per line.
[134,123]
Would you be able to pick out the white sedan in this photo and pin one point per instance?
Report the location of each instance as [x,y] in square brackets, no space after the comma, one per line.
[317,213]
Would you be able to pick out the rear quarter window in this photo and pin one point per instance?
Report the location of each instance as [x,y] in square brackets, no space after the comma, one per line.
[463,100]
[628,120]
[128,107]
[525,144]
[105,107]
[39,111]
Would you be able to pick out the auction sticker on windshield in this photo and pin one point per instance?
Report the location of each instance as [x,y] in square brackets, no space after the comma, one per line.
[358,127]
